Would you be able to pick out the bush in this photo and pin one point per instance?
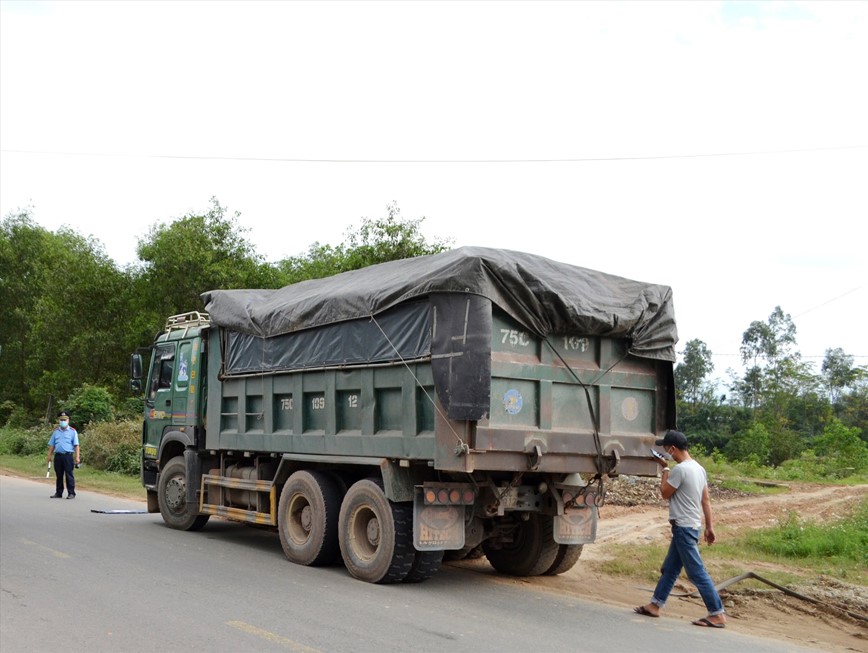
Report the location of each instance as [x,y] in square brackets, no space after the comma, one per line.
[842,449]
[131,408]
[24,442]
[6,410]
[751,445]
[87,405]
[113,446]
[19,418]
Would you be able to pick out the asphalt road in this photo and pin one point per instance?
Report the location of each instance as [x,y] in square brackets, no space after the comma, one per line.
[76,580]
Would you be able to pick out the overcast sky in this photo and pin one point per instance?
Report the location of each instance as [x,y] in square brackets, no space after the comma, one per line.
[720,148]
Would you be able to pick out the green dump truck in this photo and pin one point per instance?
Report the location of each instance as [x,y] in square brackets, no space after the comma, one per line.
[465,403]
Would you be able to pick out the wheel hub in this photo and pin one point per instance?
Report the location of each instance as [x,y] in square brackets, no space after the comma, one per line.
[306,519]
[176,492]
[373,531]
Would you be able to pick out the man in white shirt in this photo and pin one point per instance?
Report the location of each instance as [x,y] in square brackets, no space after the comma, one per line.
[686,488]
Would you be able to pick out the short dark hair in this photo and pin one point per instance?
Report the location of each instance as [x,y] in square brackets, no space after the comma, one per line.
[673,438]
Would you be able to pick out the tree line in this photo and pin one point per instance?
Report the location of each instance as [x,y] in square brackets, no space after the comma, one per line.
[71,317]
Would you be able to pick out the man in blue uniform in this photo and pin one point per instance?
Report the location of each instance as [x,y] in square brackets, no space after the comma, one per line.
[63,445]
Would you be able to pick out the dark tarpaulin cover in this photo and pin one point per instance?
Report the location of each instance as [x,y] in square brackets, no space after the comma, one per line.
[406,335]
[545,296]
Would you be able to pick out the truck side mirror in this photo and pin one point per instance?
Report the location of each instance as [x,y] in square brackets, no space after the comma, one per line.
[136,372]
[136,366]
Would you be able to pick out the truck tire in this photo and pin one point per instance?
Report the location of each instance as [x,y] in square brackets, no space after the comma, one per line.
[172,498]
[465,553]
[568,556]
[532,551]
[307,518]
[425,565]
[375,535]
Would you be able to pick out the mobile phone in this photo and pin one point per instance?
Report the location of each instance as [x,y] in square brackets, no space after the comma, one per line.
[660,456]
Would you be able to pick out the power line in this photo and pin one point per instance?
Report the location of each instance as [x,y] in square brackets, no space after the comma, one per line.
[434,161]
[803,355]
[828,301]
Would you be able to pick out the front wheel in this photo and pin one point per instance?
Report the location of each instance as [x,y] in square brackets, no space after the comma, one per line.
[375,535]
[172,498]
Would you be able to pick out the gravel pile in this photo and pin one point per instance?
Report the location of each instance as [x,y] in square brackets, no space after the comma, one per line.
[645,491]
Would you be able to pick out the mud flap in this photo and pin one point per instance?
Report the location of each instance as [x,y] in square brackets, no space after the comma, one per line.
[193,465]
[576,526]
[436,528]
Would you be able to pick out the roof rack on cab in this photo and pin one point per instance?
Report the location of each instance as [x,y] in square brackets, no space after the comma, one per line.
[187,320]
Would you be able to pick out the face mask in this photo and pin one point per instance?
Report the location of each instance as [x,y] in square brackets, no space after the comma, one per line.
[63,423]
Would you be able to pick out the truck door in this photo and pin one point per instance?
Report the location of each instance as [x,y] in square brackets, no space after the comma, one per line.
[159,399]
[184,411]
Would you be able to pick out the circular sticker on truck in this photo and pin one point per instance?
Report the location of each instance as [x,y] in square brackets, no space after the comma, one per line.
[630,409]
[512,401]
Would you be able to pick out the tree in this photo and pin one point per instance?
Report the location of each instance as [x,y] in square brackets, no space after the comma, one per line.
[770,341]
[376,241]
[63,313]
[751,444]
[711,423]
[24,250]
[193,254]
[690,375]
[854,406]
[767,347]
[78,322]
[838,372]
[89,404]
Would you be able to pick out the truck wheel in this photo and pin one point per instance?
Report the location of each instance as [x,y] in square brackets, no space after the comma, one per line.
[172,497]
[425,565]
[566,559]
[532,551]
[466,553]
[307,518]
[375,535]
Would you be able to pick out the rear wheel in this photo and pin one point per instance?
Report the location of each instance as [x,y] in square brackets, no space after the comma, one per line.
[172,498]
[465,553]
[566,559]
[307,518]
[532,551]
[375,535]
[425,565]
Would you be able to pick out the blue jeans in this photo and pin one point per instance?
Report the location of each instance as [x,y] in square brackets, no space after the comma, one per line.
[684,553]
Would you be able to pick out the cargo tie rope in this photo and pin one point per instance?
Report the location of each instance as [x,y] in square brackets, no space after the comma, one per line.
[612,465]
[462,448]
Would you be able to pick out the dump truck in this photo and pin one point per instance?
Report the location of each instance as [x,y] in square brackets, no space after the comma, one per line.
[467,403]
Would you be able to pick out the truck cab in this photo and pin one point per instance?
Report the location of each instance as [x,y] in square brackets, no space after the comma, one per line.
[175,395]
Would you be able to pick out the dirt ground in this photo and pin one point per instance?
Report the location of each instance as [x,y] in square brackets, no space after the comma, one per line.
[767,612]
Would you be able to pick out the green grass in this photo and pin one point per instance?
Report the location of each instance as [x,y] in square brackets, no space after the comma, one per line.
[86,478]
[807,468]
[838,549]
[749,486]
[798,548]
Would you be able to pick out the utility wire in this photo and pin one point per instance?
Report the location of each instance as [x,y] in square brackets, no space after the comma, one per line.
[436,161]
[828,301]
